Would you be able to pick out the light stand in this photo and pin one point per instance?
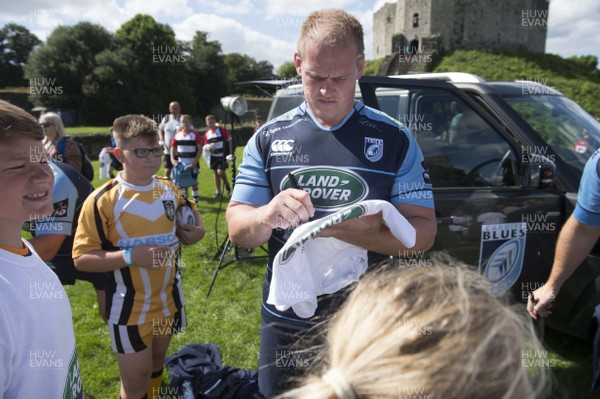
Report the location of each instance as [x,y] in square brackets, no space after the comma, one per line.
[235,106]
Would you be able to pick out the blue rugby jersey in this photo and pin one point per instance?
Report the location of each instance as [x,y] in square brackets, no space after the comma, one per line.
[368,155]
[587,210]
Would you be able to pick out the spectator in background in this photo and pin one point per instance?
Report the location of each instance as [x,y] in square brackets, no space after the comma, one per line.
[259,122]
[60,147]
[186,148]
[169,125]
[217,137]
[452,340]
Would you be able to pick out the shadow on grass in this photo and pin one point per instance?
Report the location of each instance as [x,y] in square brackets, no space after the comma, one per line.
[573,368]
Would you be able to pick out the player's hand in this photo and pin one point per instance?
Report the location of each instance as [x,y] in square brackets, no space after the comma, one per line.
[152,257]
[189,234]
[230,158]
[541,301]
[287,209]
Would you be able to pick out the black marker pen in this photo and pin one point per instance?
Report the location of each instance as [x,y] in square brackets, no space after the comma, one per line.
[293,181]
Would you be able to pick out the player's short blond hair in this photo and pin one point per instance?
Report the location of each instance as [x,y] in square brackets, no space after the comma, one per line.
[332,28]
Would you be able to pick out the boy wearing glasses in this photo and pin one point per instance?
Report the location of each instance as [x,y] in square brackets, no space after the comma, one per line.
[127,229]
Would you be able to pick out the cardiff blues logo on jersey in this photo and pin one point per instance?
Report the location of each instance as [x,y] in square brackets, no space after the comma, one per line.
[502,252]
[373,149]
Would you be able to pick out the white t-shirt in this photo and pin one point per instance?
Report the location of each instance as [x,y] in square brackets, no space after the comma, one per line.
[105,160]
[308,266]
[37,344]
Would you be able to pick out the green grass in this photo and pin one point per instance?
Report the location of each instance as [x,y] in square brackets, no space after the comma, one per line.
[230,317]
[87,129]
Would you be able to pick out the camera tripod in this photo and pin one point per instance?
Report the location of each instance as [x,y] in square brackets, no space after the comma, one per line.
[227,246]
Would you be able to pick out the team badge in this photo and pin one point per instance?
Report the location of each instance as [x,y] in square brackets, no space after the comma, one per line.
[373,149]
[60,208]
[169,209]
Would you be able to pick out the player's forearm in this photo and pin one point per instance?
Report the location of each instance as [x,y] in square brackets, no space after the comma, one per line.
[100,261]
[247,228]
[575,242]
[381,240]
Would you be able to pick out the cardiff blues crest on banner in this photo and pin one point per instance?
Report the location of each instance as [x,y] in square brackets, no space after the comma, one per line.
[373,149]
[501,255]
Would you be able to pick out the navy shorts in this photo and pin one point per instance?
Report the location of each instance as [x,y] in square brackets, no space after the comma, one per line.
[65,269]
[285,354]
[167,161]
[218,163]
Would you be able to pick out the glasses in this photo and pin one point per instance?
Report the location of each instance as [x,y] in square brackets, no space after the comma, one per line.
[144,152]
[46,124]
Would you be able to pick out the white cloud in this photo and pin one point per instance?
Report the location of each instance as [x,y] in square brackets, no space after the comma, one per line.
[573,28]
[236,37]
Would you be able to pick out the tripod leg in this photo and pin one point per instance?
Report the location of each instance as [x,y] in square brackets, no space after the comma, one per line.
[225,247]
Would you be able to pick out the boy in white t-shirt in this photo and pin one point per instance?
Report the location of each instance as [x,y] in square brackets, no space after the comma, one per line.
[37,349]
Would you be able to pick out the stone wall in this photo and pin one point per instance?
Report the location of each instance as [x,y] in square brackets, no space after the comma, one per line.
[463,24]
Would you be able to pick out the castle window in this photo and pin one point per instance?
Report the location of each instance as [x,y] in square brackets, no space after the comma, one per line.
[415,20]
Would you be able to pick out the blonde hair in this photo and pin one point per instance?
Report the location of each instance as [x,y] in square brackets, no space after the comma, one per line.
[436,331]
[16,123]
[58,125]
[130,126]
[331,28]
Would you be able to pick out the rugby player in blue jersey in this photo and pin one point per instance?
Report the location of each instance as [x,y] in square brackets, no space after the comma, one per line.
[340,152]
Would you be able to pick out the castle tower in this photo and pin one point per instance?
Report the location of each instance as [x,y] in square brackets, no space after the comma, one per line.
[421,28]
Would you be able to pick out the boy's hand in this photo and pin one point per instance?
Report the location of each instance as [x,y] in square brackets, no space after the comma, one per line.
[189,234]
[152,256]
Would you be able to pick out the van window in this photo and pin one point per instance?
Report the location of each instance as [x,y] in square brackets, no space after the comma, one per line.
[459,146]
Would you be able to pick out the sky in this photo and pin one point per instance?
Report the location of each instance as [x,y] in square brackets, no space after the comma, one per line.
[268,29]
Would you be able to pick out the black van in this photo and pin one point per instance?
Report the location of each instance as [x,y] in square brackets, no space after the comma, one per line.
[505,160]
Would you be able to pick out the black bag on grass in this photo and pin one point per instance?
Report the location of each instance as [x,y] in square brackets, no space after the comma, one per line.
[201,365]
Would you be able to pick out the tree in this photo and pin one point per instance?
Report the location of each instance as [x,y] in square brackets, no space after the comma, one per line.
[207,73]
[372,67]
[58,69]
[241,67]
[16,43]
[287,70]
[158,71]
[108,89]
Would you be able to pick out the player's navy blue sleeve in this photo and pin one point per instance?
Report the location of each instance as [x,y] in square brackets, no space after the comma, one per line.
[64,200]
[587,210]
[411,184]
[251,184]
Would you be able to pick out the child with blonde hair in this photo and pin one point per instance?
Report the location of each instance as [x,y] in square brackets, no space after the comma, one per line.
[434,331]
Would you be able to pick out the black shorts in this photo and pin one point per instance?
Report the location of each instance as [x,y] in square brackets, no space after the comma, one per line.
[64,268]
[167,161]
[218,163]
